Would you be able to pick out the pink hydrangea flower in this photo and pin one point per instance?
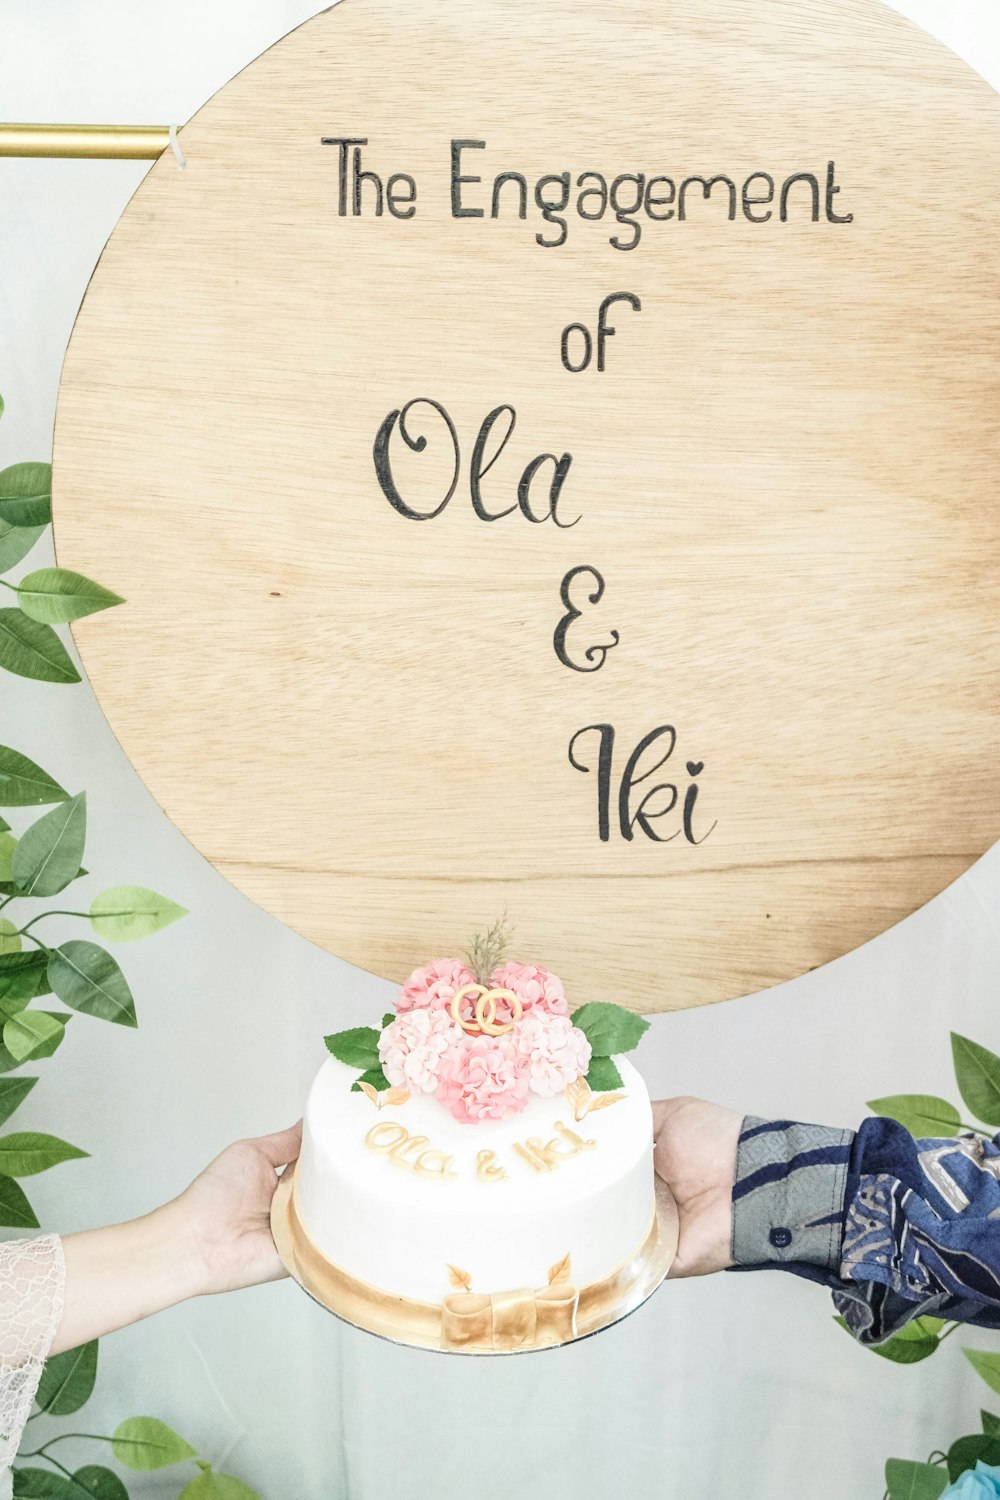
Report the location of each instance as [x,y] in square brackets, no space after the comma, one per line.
[482,1078]
[552,1050]
[412,1048]
[535,987]
[434,985]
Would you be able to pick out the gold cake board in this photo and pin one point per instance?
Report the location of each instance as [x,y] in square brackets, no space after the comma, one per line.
[403,1320]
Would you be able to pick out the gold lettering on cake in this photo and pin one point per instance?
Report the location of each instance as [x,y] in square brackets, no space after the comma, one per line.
[410,1151]
[487,1169]
[574,1140]
[433,1163]
[545,1157]
[385,1136]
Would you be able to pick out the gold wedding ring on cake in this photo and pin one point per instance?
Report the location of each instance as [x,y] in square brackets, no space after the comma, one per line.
[485,1021]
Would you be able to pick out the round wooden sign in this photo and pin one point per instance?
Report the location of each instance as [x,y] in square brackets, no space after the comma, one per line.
[549,455]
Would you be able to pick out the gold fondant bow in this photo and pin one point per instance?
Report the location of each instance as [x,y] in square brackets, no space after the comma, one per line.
[509,1320]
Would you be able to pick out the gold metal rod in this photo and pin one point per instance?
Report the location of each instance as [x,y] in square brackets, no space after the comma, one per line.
[124,142]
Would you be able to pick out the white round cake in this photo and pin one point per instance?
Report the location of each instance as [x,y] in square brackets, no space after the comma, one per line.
[476,1173]
[404,1196]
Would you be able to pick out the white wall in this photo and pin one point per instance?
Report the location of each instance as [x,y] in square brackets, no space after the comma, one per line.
[735,1387]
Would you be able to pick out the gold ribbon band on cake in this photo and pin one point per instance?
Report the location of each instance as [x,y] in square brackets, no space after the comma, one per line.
[470,1322]
[509,1320]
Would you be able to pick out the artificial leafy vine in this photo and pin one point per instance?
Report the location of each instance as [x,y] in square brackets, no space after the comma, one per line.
[36,864]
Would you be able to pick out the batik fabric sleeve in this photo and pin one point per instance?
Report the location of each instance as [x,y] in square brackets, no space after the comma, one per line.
[896,1227]
[32,1282]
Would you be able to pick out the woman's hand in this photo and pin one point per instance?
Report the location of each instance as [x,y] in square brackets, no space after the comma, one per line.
[225,1214]
[695,1154]
[214,1237]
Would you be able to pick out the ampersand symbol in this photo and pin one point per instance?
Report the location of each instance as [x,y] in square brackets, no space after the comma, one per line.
[594,654]
[485,1022]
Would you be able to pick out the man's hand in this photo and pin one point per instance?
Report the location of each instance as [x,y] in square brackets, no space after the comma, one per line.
[695,1154]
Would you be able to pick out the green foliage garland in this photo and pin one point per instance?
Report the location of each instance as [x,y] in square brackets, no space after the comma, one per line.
[36,865]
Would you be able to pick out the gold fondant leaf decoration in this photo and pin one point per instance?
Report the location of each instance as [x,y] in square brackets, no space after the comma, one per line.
[603,1100]
[584,1101]
[459,1278]
[386,1096]
[560,1271]
[579,1095]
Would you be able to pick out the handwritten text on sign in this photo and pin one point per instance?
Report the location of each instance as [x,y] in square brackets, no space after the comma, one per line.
[633,200]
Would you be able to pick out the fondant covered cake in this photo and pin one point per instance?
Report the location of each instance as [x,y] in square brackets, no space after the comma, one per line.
[476,1174]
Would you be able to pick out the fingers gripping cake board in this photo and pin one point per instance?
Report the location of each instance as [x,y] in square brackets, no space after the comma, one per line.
[476,1174]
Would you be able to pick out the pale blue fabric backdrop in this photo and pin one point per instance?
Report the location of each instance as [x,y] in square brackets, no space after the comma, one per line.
[740,1386]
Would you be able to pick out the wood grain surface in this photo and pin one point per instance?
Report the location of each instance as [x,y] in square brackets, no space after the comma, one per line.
[785,475]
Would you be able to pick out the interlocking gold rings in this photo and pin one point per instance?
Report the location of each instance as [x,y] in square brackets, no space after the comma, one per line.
[485,1022]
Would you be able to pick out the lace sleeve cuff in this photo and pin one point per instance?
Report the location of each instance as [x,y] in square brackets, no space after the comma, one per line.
[32,1285]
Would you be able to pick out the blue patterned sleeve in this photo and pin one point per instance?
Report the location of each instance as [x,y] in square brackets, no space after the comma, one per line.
[896,1227]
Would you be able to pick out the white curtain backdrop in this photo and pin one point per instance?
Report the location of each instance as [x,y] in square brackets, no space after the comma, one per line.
[735,1387]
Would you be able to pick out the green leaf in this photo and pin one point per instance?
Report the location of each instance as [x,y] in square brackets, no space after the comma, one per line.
[48,854]
[211,1486]
[906,1480]
[24,1032]
[978,1075]
[28,1152]
[102,1483]
[10,942]
[15,1210]
[375,1077]
[44,1049]
[609,1029]
[29,649]
[986,1365]
[144,1443]
[56,595]
[991,1424]
[906,1348]
[87,978]
[26,494]
[23,784]
[126,912]
[13,1092]
[388,1018]
[920,1114]
[42,1484]
[915,1341]
[68,1380]
[16,542]
[967,1451]
[357,1047]
[603,1075]
[23,976]
[4,825]
[8,843]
